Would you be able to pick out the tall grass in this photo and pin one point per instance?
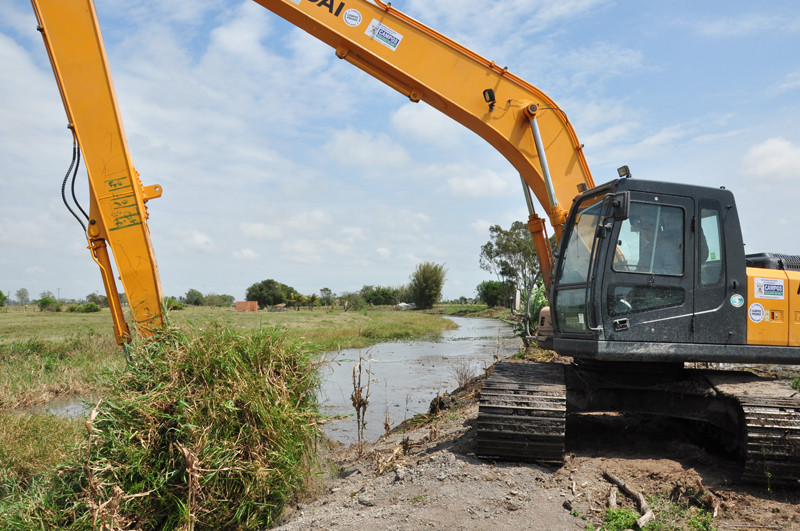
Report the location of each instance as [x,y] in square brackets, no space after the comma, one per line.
[209,428]
[33,371]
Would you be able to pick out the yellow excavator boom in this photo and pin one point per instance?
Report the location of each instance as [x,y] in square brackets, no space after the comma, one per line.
[117,212]
[512,115]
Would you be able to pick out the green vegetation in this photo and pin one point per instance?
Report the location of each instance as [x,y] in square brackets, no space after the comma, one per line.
[671,515]
[796,384]
[2,299]
[426,285]
[198,418]
[188,426]
[620,519]
[49,304]
[269,293]
[492,292]
[33,371]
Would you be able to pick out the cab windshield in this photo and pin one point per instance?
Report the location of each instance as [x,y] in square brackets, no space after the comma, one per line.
[578,249]
[574,265]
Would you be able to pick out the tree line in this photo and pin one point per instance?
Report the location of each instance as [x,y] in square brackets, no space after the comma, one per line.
[509,255]
[423,290]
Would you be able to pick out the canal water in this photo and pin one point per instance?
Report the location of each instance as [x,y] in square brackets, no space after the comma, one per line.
[405,376]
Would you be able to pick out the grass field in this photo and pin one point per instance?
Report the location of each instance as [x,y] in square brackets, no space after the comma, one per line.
[214,352]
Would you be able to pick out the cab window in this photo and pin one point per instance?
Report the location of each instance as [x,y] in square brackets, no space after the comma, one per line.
[651,241]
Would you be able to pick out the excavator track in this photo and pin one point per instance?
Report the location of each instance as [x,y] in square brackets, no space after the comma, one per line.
[523,409]
[770,426]
[522,413]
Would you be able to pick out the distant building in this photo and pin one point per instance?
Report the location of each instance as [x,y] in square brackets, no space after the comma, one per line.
[247,306]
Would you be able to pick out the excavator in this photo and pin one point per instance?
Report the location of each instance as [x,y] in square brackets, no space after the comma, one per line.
[648,279]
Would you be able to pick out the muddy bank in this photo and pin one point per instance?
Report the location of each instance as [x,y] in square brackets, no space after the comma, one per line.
[427,477]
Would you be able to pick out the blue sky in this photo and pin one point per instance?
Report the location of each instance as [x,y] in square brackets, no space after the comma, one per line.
[280,161]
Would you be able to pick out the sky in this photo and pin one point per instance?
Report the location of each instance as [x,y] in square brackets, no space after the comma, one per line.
[279,160]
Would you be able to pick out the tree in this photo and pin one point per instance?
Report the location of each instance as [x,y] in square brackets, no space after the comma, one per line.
[49,304]
[312,301]
[326,296]
[194,298]
[296,300]
[269,293]
[2,299]
[491,292]
[219,301]
[100,300]
[426,286]
[511,255]
[379,295]
[23,297]
[352,301]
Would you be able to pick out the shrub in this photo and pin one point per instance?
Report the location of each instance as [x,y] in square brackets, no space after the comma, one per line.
[426,285]
[89,307]
[48,304]
[210,429]
[172,304]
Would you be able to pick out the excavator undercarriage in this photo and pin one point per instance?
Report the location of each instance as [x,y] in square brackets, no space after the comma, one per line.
[524,407]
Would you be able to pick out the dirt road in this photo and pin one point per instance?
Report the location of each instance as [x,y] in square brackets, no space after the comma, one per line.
[428,477]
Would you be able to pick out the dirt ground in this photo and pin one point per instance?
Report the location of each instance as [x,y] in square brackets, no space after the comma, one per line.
[426,476]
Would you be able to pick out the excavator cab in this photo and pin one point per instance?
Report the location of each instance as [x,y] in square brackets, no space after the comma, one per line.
[644,263]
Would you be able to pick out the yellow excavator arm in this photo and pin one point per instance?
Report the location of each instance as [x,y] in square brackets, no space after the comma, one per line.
[117,212]
[512,115]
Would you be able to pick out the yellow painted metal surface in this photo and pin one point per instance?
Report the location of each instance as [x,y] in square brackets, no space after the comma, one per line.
[117,211]
[768,308]
[426,66]
[403,53]
[793,294]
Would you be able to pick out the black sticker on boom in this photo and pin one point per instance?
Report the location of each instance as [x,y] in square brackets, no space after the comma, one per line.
[332,6]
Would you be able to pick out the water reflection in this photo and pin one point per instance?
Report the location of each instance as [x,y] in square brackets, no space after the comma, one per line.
[406,376]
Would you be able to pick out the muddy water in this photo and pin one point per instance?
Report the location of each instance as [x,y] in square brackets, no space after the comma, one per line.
[406,376]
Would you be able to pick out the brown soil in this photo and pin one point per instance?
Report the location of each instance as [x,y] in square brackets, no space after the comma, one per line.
[425,475]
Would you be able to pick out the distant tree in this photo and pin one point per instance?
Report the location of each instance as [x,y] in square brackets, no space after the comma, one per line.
[23,297]
[193,298]
[296,300]
[491,292]
[326,297]
[427,282]
[403,293]
[269,293]
[171,303]
[47,294]
[100,300]
[49,304]
[379,295]
[352,301]
[312,300]
[219,301]
[511,255]
[2,299]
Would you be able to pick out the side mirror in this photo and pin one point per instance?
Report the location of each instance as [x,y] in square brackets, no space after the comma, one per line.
[621,206]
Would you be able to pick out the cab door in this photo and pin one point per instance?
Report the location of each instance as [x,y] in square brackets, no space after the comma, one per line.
[648,277]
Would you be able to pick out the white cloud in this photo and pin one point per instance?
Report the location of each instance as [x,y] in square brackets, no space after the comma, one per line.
[197,241]
[745,24]
[366,150]
[424,123]
[789,83]
[482,183]
[262,231]
[774,159]
[245,255]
